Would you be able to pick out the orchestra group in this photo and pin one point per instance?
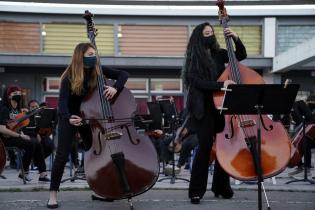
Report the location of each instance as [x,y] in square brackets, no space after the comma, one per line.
[191,134]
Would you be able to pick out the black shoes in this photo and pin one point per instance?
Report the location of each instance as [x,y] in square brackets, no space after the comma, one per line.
[95,197]
[26,177]
[226,193]
[195,200]
[52,206]
[44,179]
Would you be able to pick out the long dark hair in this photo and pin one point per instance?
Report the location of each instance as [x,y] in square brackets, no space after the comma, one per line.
[199,62]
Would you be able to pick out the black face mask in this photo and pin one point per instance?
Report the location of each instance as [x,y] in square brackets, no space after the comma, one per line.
[209,41]
[16,98]
[89,62]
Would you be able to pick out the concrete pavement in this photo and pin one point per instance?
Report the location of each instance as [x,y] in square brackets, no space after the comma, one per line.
[13,183]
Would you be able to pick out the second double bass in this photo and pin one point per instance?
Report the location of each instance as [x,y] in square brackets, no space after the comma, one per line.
[233,144]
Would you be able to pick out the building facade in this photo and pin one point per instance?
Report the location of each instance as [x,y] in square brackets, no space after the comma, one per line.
[149,40]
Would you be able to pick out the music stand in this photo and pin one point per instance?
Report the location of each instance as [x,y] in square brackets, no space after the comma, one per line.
[168,109]
[259,99]
[47,119]
[156,115]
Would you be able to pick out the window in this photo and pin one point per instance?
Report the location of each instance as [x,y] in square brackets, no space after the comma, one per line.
[51,100]
[52,84]
[141,104]
[166,86]
[137,85]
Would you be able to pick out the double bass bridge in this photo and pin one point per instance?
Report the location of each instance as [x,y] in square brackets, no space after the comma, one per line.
[247,123]
[111,135]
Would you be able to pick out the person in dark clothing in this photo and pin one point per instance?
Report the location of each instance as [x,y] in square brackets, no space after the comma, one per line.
[187,138]
[205,61]
[302,110]
[188,144]
[79,79]
[10,108]
[32,129]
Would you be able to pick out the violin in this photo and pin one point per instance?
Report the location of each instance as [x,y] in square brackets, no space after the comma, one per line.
[21,120]
[154,134]
[181,133]
[45,131]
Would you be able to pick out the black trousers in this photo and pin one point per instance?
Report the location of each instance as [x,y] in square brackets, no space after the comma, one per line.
[199,174]
[38,155]
[32,150]
[66,136]
[189,143]
[47,145]
[310,143]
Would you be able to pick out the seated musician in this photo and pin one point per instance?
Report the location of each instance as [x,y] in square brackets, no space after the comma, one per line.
[300,109]
[189,142]
[33,130]
[10,108]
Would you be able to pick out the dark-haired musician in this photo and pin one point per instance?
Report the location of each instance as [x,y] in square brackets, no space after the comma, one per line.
[205,61]
[302,110]
[10,108]
[33,129]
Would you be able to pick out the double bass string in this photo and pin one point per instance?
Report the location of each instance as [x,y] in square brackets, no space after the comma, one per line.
[236,77]
[105,105]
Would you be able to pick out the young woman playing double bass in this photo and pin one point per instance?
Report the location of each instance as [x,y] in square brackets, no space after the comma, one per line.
[78,80]
[204,63]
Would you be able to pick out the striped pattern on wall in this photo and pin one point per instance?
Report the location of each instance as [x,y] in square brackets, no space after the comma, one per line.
[291,36]
[153,40]
[251,37]
[62,38]
[19,37]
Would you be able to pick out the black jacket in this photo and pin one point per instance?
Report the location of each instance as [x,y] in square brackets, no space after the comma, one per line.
[200,92]
[69,104]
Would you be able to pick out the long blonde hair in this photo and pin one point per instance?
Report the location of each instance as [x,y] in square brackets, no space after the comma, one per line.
[75,70]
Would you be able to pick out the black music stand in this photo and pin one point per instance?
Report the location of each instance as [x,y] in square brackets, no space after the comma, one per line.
[156,115]
[47,118]
[169,113]
[259,99]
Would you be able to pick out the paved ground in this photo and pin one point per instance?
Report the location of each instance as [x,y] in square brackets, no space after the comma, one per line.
[278,183]
[164,195]
[160,199]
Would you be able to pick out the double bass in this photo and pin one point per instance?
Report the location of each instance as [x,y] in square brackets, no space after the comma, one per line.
[120,163]
[240,133]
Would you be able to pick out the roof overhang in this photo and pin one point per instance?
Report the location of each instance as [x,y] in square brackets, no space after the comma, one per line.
[125,62]
[157,10]
[299,57]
